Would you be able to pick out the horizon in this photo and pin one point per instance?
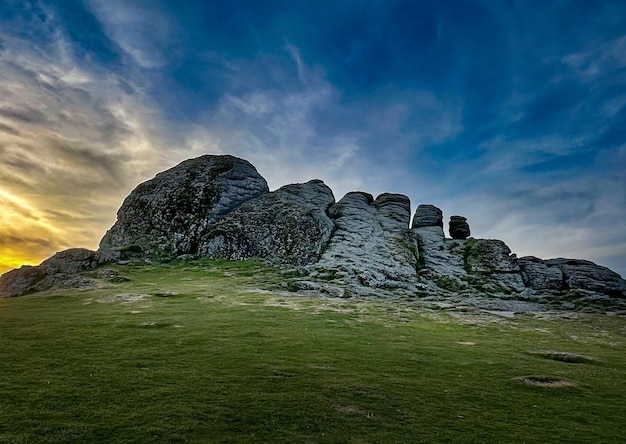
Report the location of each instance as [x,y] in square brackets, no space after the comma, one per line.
[511,115]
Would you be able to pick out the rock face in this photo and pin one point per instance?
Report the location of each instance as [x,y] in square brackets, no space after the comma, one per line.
[60,271]
[370,248]
[458,227]
[172,212]
[573,278]
[287,226]
[220,207]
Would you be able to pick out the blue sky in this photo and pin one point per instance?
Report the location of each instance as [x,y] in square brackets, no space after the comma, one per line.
[511,113]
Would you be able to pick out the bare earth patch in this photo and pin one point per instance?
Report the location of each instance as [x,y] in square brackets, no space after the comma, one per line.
[570,358]
[125,297]
[545,381]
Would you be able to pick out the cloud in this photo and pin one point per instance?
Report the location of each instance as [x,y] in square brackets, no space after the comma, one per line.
[9,130]
[599,61]
[142,33]
[74,137]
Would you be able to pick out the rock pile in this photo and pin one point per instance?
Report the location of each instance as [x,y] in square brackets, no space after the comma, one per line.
[221,207]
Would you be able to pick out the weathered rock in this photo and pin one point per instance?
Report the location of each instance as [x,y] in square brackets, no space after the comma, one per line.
[21,281]
[458,227]
[585,276]
[220,207]
[74,260]
[541,278]
[288,226]
[394,212]
[493,268]
[428,215]
[172,212]
[371,248]
[59,271]
[478,267]
[571,279]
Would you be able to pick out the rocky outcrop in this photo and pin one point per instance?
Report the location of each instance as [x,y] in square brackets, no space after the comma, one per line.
[287,226]
[540,277]
[427,215]
[220,207]
[572,279]
[369,250]
[492,268]
[458,227]
[60,271]
[171,213]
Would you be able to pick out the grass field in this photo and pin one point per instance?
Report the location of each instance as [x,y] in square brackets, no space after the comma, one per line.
[201,353]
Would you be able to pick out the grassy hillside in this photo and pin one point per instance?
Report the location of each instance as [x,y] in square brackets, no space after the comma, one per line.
[203,352]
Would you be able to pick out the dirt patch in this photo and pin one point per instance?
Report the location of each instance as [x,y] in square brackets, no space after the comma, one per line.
[125,297]
[545,381]
[466,343]
[570,358]
[321,367]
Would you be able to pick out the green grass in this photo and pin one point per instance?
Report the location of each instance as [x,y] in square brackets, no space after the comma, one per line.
[199,357]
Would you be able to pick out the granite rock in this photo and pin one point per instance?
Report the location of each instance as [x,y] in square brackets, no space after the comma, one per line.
[59,271]
[427,215]
[458,227]
[287,226]
[171,213]
[370,249]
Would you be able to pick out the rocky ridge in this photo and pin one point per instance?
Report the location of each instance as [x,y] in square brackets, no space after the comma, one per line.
[221,207]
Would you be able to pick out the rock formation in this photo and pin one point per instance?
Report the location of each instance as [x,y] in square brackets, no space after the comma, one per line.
[428,215]
[458,227]
[60,271]
[220,207]
[172,212]
[369,248]
[287,226]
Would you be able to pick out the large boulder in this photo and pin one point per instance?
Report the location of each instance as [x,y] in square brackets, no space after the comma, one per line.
[287,226]
[60,271]
[171,213]
[440,263]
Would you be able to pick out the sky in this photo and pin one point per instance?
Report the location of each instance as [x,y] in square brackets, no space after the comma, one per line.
[510,113]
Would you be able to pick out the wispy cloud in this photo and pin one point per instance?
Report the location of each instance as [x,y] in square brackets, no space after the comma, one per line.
[143,33]
[598,61]
[74,138]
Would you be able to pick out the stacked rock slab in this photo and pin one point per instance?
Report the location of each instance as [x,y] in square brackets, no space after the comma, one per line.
[287,226]
[440,259]
[172,212]
[370,249]
[457,265]
[459,228]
